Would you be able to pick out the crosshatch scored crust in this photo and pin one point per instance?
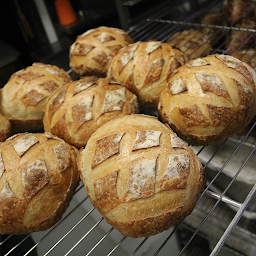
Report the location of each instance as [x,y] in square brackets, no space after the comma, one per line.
[77,109]
[140,176]
[209,99]
[24,96]
[38,177]
[192,42]
[143,68]
[93,50]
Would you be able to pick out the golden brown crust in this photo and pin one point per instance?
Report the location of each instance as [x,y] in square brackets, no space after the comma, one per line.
[144,183]
[148,226]
[77,109]
[143,68]
[37,182]
[92,51]
[212,18]
[24,96]
[192,42]
[215,35]
[211,99]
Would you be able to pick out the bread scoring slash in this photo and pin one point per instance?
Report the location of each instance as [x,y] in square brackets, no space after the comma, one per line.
[209,99]
[93,50]
[139,175]
[77,109]
[38,177]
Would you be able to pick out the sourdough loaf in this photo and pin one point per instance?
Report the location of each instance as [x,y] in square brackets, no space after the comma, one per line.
[139,175]
[143,68]
[38,177]
[92,51]
[24,96]
[77,109]
[209,99]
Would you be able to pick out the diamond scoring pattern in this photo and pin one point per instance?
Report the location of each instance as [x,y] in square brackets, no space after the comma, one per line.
[34,175]
[194,115]
[87,99]
[142,182]
[91,53]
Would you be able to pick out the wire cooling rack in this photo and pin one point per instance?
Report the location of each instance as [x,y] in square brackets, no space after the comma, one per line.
[223,221]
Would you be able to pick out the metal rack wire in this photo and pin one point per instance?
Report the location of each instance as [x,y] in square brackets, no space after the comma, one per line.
[217,217]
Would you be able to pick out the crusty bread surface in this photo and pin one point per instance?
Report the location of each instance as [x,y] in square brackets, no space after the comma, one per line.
[241,39]
[209,99]
[77,109]
[139,175]
[24,96]
[38,177]
[214,34]
[143,68]
[93,50]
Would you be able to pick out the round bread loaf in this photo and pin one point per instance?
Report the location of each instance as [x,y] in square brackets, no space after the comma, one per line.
[139,175]
[24,96]
[77,109]
[143,68]
[92,51]
[209,99]
[192,42]
[38,177]
[5,128]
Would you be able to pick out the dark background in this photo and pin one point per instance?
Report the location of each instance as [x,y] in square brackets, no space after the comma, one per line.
[23,39]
